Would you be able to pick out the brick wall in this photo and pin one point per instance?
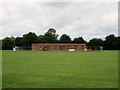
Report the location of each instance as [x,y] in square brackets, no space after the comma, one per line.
[57,47]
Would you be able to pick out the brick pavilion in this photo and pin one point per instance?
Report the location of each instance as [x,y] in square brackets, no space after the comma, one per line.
[57,47]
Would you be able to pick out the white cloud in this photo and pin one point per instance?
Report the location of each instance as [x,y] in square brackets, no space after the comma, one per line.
[87,19]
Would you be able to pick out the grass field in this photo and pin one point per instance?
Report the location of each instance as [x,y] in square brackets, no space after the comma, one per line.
[35,69]
[0,69]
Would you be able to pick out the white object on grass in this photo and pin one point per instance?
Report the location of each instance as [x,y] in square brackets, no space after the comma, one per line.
[71,50]
[14,48]
[85,49]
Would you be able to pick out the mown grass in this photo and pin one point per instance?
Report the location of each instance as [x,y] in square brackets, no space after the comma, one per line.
[46,69]
[0,69]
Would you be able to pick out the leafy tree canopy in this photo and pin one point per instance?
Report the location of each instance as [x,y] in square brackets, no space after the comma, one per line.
[65,39]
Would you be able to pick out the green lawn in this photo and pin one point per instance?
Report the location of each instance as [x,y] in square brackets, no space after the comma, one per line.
[0,69]
[45,69]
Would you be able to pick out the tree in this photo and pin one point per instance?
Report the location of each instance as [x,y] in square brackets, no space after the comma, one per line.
[49,37]
[53,32]
[95,42]
[8,43]
[29,38]
[78,40]
[0,44]
[40,39]
[18,41]
[65,39]
[111,42]
[118,43]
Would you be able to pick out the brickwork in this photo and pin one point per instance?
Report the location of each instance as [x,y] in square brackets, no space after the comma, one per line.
[58,47]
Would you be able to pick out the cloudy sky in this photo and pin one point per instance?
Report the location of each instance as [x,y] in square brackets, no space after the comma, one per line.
[86,19]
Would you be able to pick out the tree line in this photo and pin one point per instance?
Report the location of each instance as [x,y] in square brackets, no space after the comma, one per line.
[111,42]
